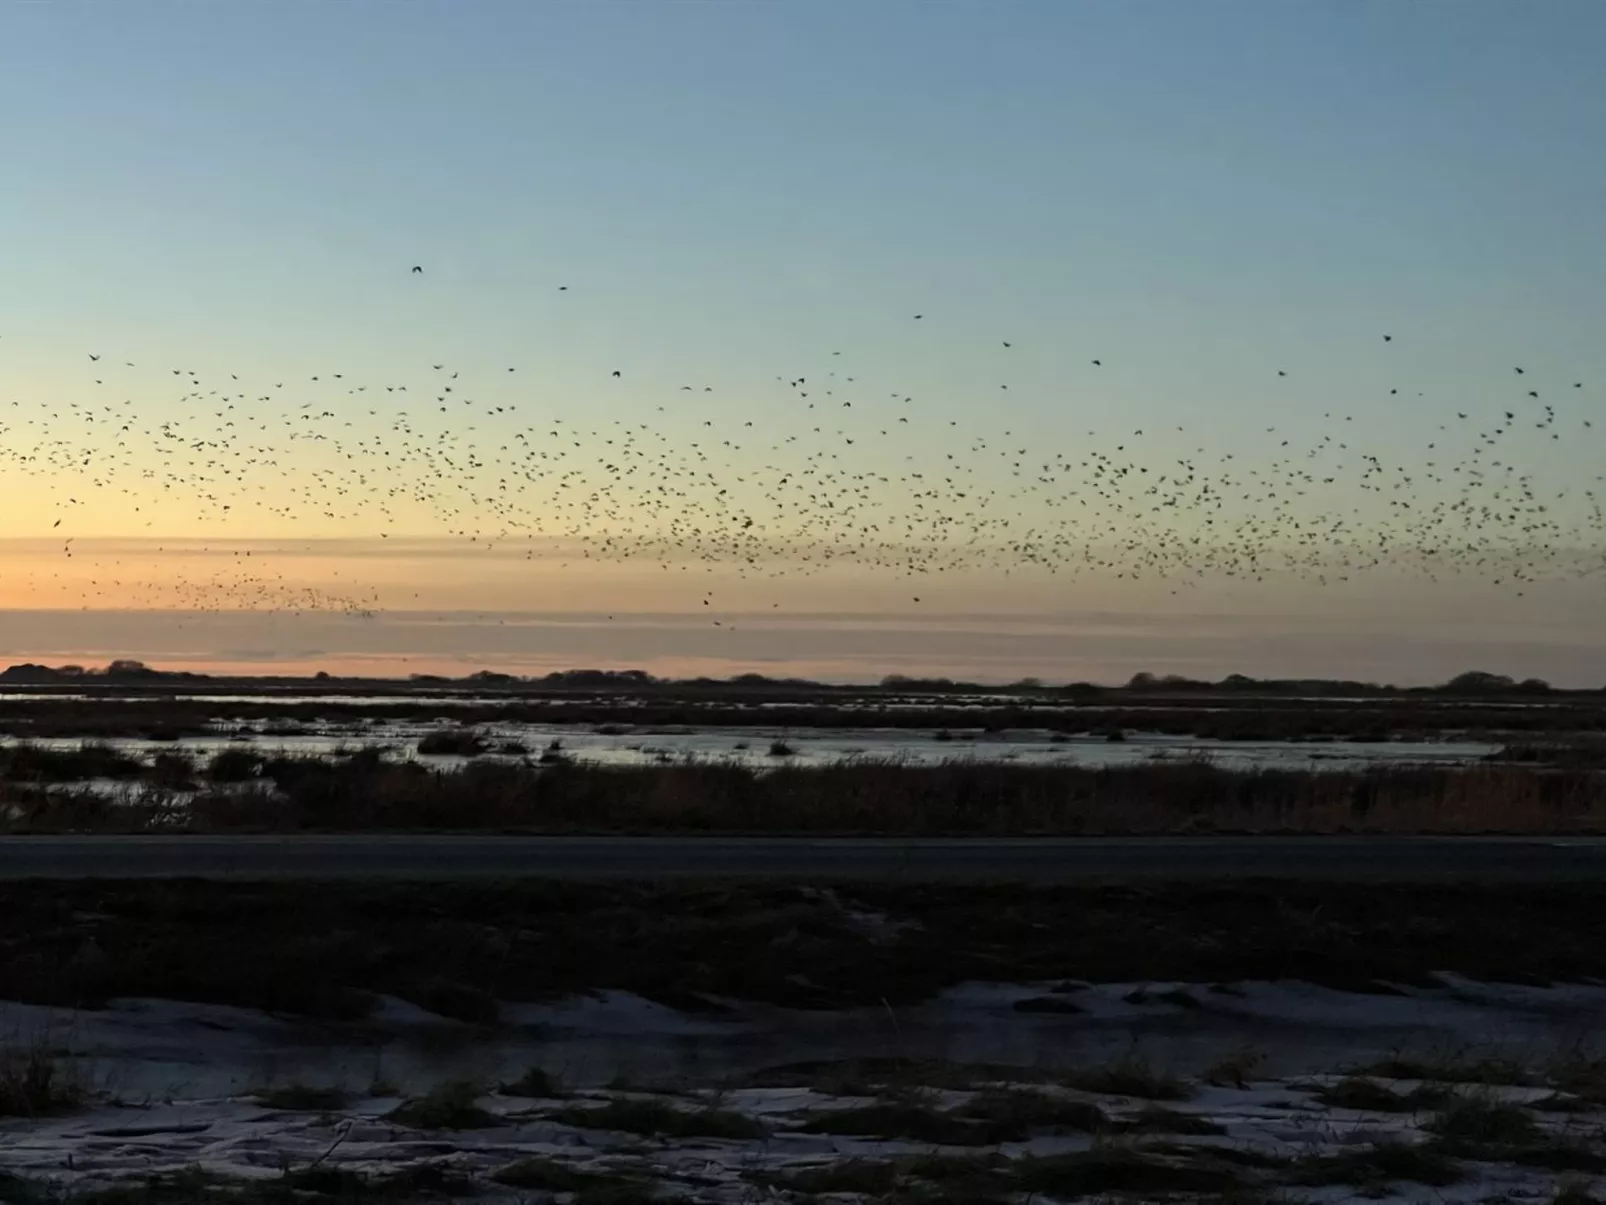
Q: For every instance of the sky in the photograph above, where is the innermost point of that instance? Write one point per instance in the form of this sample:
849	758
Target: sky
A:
733	196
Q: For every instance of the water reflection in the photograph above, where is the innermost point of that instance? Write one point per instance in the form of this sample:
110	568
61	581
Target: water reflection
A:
752	746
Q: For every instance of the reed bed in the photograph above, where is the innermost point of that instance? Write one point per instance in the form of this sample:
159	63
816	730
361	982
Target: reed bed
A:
363	791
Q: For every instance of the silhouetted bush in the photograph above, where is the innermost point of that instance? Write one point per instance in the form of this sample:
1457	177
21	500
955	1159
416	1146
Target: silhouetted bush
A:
456	742
234	765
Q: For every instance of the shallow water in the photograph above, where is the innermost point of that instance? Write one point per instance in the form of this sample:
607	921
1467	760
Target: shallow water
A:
811	746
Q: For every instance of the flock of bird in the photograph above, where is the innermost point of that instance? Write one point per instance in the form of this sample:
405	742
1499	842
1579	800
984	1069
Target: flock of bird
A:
820	467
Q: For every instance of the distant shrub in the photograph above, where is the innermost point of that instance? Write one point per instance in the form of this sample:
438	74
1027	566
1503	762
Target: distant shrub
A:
27	762
452	742
173	770
234	765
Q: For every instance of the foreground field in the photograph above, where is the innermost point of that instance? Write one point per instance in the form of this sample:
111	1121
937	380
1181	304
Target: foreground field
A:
427	1042
890	1130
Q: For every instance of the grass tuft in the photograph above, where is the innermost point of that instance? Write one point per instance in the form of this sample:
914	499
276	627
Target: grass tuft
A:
1155	1119
1453	1070
1121	1170
988	1118
36	1083
451	1106
888	1075
1130	1076
1013	1113
866	1177
436	1178
1383	1163
913	1120
539	1174
658	1118
323	1181
1369	1096
301	1098
1475	1121
1237	1069
928	1179
1581	1076
1574	1194
535	1082
1556	1155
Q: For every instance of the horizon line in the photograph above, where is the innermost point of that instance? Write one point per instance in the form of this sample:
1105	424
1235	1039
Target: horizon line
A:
140	671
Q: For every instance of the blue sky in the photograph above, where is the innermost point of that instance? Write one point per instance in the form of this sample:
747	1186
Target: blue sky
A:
1142	178
1199	194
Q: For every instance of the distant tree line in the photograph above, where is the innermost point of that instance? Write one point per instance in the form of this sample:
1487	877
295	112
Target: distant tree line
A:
123	669
1473	682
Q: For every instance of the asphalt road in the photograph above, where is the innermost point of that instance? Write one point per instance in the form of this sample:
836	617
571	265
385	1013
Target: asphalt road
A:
1037	860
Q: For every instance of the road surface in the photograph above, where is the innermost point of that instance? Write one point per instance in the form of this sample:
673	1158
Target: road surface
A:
1036	860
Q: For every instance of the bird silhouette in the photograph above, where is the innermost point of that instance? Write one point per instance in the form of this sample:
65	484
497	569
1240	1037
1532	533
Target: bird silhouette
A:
804	471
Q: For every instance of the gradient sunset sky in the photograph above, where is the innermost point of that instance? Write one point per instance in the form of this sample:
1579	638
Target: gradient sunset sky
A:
1199	195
